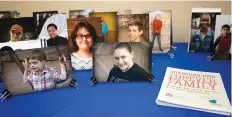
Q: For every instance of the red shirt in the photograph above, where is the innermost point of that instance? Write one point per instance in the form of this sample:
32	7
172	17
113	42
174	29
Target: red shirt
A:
224	44
156	26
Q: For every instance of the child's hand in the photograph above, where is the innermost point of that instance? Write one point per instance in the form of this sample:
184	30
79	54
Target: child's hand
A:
25	64
62	59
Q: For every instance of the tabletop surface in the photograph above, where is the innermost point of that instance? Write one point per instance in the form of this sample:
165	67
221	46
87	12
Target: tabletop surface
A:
116	99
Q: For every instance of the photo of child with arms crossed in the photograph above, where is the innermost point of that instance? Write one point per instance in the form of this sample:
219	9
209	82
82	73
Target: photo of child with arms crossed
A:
42	77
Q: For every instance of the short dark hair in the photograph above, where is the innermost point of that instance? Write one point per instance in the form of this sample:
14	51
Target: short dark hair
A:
80	16
136	23
38	54
226	26
90	29
124	45
206	14
50	25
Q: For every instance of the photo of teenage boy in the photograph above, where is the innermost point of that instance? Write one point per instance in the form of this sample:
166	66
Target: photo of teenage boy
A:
83	37
135	32
222	44
41	76
16	33
133	27
55	39
203	38
156	30
40	18
125	68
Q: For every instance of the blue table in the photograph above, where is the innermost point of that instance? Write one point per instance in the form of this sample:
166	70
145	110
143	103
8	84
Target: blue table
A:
116	100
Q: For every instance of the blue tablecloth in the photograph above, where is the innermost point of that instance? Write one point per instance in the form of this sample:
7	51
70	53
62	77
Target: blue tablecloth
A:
116	100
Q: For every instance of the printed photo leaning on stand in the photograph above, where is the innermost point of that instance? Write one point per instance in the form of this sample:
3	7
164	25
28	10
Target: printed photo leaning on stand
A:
222	44
156	31
83	37
41	76
202	40
135	32
125	69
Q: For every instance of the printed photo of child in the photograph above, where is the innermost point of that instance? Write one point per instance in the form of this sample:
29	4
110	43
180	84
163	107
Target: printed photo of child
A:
160	30
40	18
41	76
222	39
202	29
125	69
133	28
33	70
16	29
18	33
222	45
122	62
54	30
109	25
83	33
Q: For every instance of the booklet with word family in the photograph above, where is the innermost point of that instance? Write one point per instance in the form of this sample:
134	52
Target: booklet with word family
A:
202	91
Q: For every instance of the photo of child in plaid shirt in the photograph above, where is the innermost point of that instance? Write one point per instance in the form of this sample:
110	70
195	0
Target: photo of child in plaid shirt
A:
41	76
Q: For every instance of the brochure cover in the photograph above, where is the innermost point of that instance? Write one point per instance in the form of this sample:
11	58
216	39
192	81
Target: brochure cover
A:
202	91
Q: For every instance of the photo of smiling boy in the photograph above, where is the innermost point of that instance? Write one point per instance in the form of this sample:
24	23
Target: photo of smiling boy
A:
202	32
55	39
41	76
125	69
133	28
135	32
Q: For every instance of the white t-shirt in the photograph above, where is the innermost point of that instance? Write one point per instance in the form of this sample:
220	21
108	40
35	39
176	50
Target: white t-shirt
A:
81	63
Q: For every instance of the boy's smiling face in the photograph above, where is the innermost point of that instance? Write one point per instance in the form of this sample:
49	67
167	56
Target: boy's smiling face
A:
134	33
52	31
36	65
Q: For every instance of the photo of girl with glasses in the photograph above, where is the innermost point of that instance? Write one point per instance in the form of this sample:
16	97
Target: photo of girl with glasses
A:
83	37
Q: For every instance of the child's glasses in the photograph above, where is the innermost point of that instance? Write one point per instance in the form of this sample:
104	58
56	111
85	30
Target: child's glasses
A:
88	36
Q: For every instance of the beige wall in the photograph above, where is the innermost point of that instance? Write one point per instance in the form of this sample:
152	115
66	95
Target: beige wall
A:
181	11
